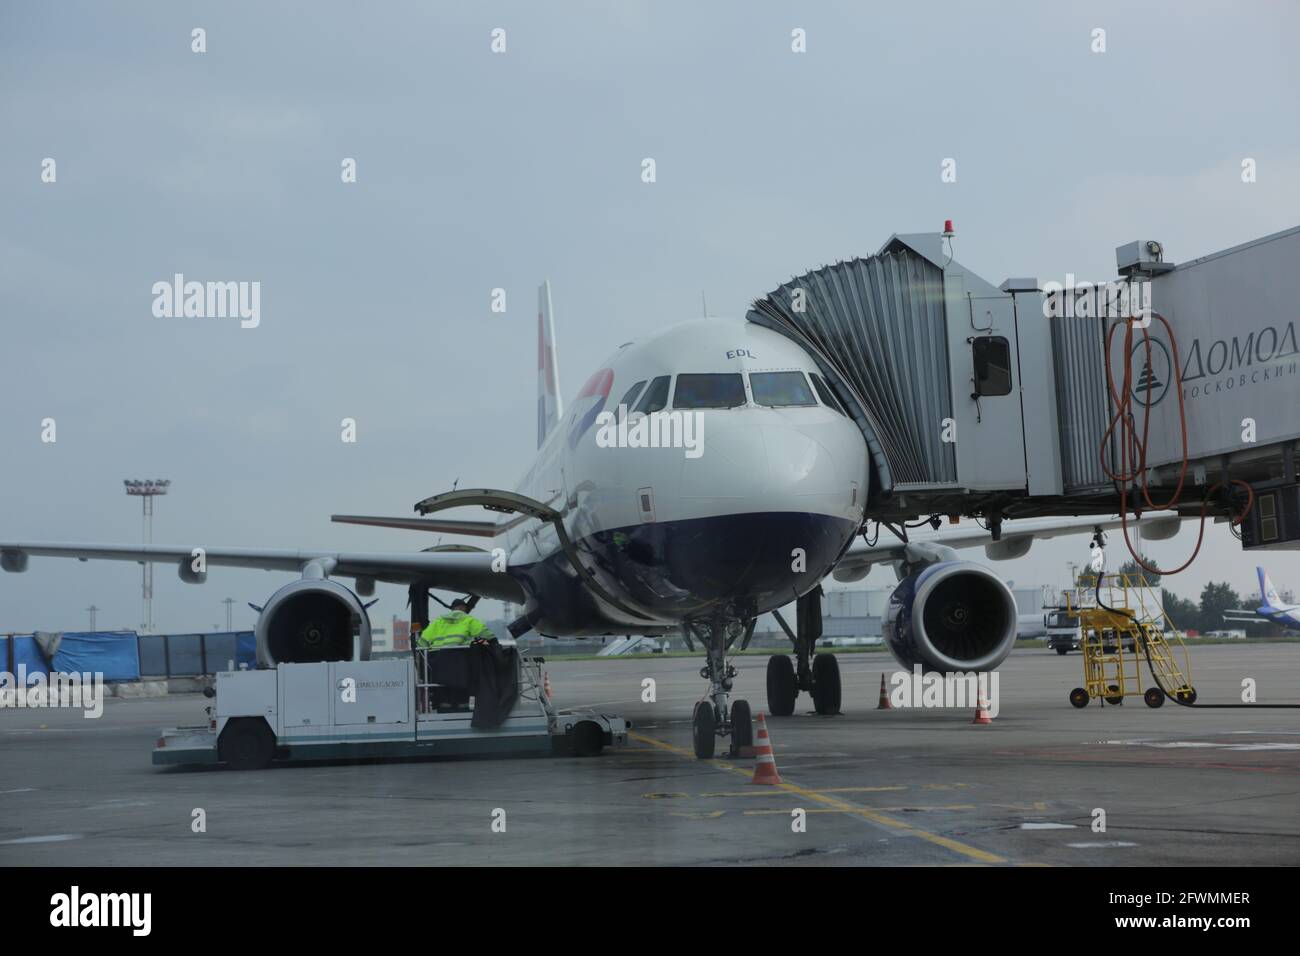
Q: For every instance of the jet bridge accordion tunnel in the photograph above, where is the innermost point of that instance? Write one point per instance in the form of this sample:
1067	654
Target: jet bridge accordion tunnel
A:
995	400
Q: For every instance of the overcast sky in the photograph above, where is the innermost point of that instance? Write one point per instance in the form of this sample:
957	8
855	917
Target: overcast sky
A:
478	170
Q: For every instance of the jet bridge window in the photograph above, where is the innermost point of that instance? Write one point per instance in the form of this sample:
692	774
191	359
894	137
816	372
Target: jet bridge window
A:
720	390
656	396
992	355
780	389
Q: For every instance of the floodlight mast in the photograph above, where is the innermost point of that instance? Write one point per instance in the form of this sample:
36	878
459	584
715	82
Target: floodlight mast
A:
146	491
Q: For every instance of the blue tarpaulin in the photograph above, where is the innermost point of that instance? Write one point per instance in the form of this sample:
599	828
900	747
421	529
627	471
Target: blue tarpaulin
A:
26	653
112	653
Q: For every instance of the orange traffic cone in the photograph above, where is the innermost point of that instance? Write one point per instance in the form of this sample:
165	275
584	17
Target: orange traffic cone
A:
982	711
765	762
884	696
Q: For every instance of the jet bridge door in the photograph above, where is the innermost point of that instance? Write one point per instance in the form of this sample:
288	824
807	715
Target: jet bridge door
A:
986	388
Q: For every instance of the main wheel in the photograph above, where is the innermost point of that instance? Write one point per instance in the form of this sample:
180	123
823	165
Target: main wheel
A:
1115	697
1154	697
246	743
826	684
742	726
704	729
588	739
781	687
1079	697
1062	651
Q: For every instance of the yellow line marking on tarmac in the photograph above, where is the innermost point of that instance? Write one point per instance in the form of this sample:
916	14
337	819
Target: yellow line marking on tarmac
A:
865	813
759	793
951	806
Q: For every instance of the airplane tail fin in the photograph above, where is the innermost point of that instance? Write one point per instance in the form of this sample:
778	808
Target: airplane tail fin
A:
548	373
1267	591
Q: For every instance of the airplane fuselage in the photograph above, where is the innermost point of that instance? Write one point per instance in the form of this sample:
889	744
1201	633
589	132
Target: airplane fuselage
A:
760	489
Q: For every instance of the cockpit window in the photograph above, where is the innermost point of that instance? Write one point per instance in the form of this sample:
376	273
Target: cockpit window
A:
631	395
780	389
826	395
655	397
720	390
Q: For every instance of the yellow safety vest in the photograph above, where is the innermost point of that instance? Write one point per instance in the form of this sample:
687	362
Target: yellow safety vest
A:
452	629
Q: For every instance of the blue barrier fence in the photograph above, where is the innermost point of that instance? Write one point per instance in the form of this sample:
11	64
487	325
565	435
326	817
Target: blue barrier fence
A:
127	656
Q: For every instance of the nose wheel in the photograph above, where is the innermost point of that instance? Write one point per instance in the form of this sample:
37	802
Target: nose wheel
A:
717	715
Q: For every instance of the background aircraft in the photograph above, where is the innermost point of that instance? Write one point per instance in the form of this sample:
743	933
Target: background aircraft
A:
1272	608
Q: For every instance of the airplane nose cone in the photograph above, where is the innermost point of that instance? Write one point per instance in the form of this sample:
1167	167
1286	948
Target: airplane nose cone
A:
800	468
767	508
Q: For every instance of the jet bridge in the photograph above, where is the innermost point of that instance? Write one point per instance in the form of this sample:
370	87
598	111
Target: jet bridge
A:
996	401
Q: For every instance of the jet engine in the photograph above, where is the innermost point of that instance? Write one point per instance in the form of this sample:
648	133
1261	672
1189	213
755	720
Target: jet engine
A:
951	616
312	620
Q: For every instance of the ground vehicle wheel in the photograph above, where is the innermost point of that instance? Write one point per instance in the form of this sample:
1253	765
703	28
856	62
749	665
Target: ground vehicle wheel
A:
1187	694
781	687
1079	697
826	684
246	744
1062	651
1154	697
588	739
1114	697
704	728
742	726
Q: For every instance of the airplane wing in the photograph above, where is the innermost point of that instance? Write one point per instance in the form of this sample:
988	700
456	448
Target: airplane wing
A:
470	571
1017	537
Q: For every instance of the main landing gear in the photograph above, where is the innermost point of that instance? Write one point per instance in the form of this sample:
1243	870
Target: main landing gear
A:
818	674
718	716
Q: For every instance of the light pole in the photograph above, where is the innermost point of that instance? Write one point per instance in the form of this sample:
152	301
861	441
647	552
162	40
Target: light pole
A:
92	609
229	603
146	491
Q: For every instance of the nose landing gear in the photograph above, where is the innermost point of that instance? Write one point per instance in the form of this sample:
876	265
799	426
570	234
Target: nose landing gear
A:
718	716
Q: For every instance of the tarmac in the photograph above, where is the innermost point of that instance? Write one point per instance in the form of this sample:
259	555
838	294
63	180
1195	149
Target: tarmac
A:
1177	786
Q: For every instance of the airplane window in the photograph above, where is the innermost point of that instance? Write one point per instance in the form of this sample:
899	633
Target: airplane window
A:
631	395
826	395
780	389
992	355
720	390
655	397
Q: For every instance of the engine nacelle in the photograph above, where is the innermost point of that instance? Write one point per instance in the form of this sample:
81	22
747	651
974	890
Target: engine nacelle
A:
951	616
312	620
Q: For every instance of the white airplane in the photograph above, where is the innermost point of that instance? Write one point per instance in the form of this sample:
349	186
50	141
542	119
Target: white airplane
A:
731	485
1272	609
